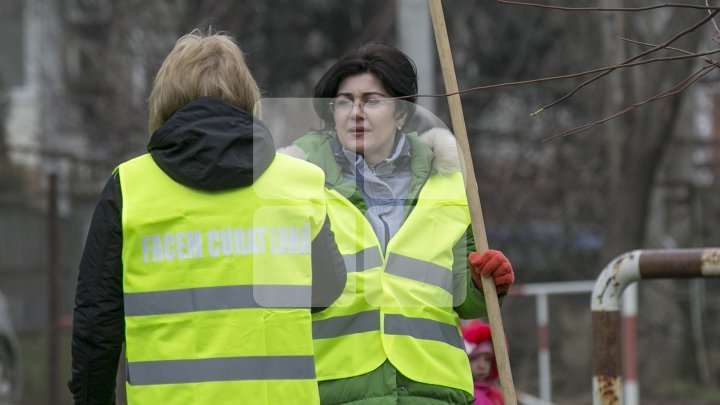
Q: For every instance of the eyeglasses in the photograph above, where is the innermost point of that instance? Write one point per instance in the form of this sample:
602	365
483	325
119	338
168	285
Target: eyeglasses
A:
342	105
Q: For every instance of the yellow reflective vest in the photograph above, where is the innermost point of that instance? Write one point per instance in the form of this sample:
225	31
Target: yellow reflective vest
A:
398	305
217	286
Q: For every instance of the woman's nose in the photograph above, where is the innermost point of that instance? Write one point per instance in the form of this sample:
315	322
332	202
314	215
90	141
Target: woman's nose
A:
358	109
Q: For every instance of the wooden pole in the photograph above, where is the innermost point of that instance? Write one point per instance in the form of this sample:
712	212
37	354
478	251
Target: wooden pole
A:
478	225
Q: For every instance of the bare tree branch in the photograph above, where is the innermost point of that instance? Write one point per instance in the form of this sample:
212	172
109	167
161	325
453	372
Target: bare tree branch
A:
717	30
649	51
678	88
688	55
655	6
710	61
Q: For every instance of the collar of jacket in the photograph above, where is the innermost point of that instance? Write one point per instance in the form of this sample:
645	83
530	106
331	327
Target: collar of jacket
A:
398	160
209	144
317	147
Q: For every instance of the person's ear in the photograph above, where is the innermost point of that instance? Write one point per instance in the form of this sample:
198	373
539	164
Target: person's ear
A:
400	119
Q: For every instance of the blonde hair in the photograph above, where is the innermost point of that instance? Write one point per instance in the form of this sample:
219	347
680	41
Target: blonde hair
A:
202	65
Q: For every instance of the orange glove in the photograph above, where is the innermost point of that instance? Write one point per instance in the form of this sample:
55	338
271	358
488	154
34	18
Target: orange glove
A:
492	263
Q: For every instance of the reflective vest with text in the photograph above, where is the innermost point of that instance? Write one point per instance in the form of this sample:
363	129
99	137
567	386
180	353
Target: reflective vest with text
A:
217	286
398	305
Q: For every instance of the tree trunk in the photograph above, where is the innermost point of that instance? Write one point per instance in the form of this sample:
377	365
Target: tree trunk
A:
638	139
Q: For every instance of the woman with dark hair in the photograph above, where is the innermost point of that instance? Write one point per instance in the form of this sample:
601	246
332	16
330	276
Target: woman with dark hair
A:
393	69
399	213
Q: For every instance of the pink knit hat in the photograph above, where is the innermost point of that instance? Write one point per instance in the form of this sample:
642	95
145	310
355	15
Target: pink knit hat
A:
482	347
477	339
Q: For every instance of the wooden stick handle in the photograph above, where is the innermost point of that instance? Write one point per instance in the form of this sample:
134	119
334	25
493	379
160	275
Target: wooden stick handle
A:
478	225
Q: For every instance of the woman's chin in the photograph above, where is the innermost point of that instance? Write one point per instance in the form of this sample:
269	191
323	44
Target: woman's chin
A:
356	146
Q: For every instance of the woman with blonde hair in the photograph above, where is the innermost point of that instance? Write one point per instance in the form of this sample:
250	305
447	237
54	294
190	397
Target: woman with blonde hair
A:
205	255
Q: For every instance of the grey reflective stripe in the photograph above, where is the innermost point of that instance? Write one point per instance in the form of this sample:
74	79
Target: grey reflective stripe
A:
420	328
420	270
217	298
221	369
363	260
346	325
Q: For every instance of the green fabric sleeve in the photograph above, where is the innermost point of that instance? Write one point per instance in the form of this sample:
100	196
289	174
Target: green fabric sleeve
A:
469	300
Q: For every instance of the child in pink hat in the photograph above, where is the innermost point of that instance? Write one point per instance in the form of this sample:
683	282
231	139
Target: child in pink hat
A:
478	344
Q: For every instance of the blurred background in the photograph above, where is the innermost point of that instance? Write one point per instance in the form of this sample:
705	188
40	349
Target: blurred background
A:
75	75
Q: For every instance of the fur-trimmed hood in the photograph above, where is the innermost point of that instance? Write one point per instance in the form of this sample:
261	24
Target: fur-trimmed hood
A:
441	142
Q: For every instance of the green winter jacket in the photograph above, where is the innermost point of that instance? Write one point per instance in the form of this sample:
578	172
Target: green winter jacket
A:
386	385
316	147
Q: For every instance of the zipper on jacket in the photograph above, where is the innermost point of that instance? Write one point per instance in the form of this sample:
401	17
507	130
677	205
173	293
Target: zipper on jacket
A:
381	217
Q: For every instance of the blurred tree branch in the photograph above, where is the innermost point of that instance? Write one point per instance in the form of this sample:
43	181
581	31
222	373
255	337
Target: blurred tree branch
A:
680	87
645	8
689	55
640	55
629	62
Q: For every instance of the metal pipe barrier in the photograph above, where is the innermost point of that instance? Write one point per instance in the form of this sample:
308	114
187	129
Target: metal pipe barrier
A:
605	305
541	291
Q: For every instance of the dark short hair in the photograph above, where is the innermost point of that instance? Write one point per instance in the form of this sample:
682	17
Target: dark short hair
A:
395	70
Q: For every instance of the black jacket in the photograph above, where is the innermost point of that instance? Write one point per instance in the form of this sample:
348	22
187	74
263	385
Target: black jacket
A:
208	145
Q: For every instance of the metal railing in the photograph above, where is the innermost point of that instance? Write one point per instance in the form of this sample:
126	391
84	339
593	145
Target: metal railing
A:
541	292
624	270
